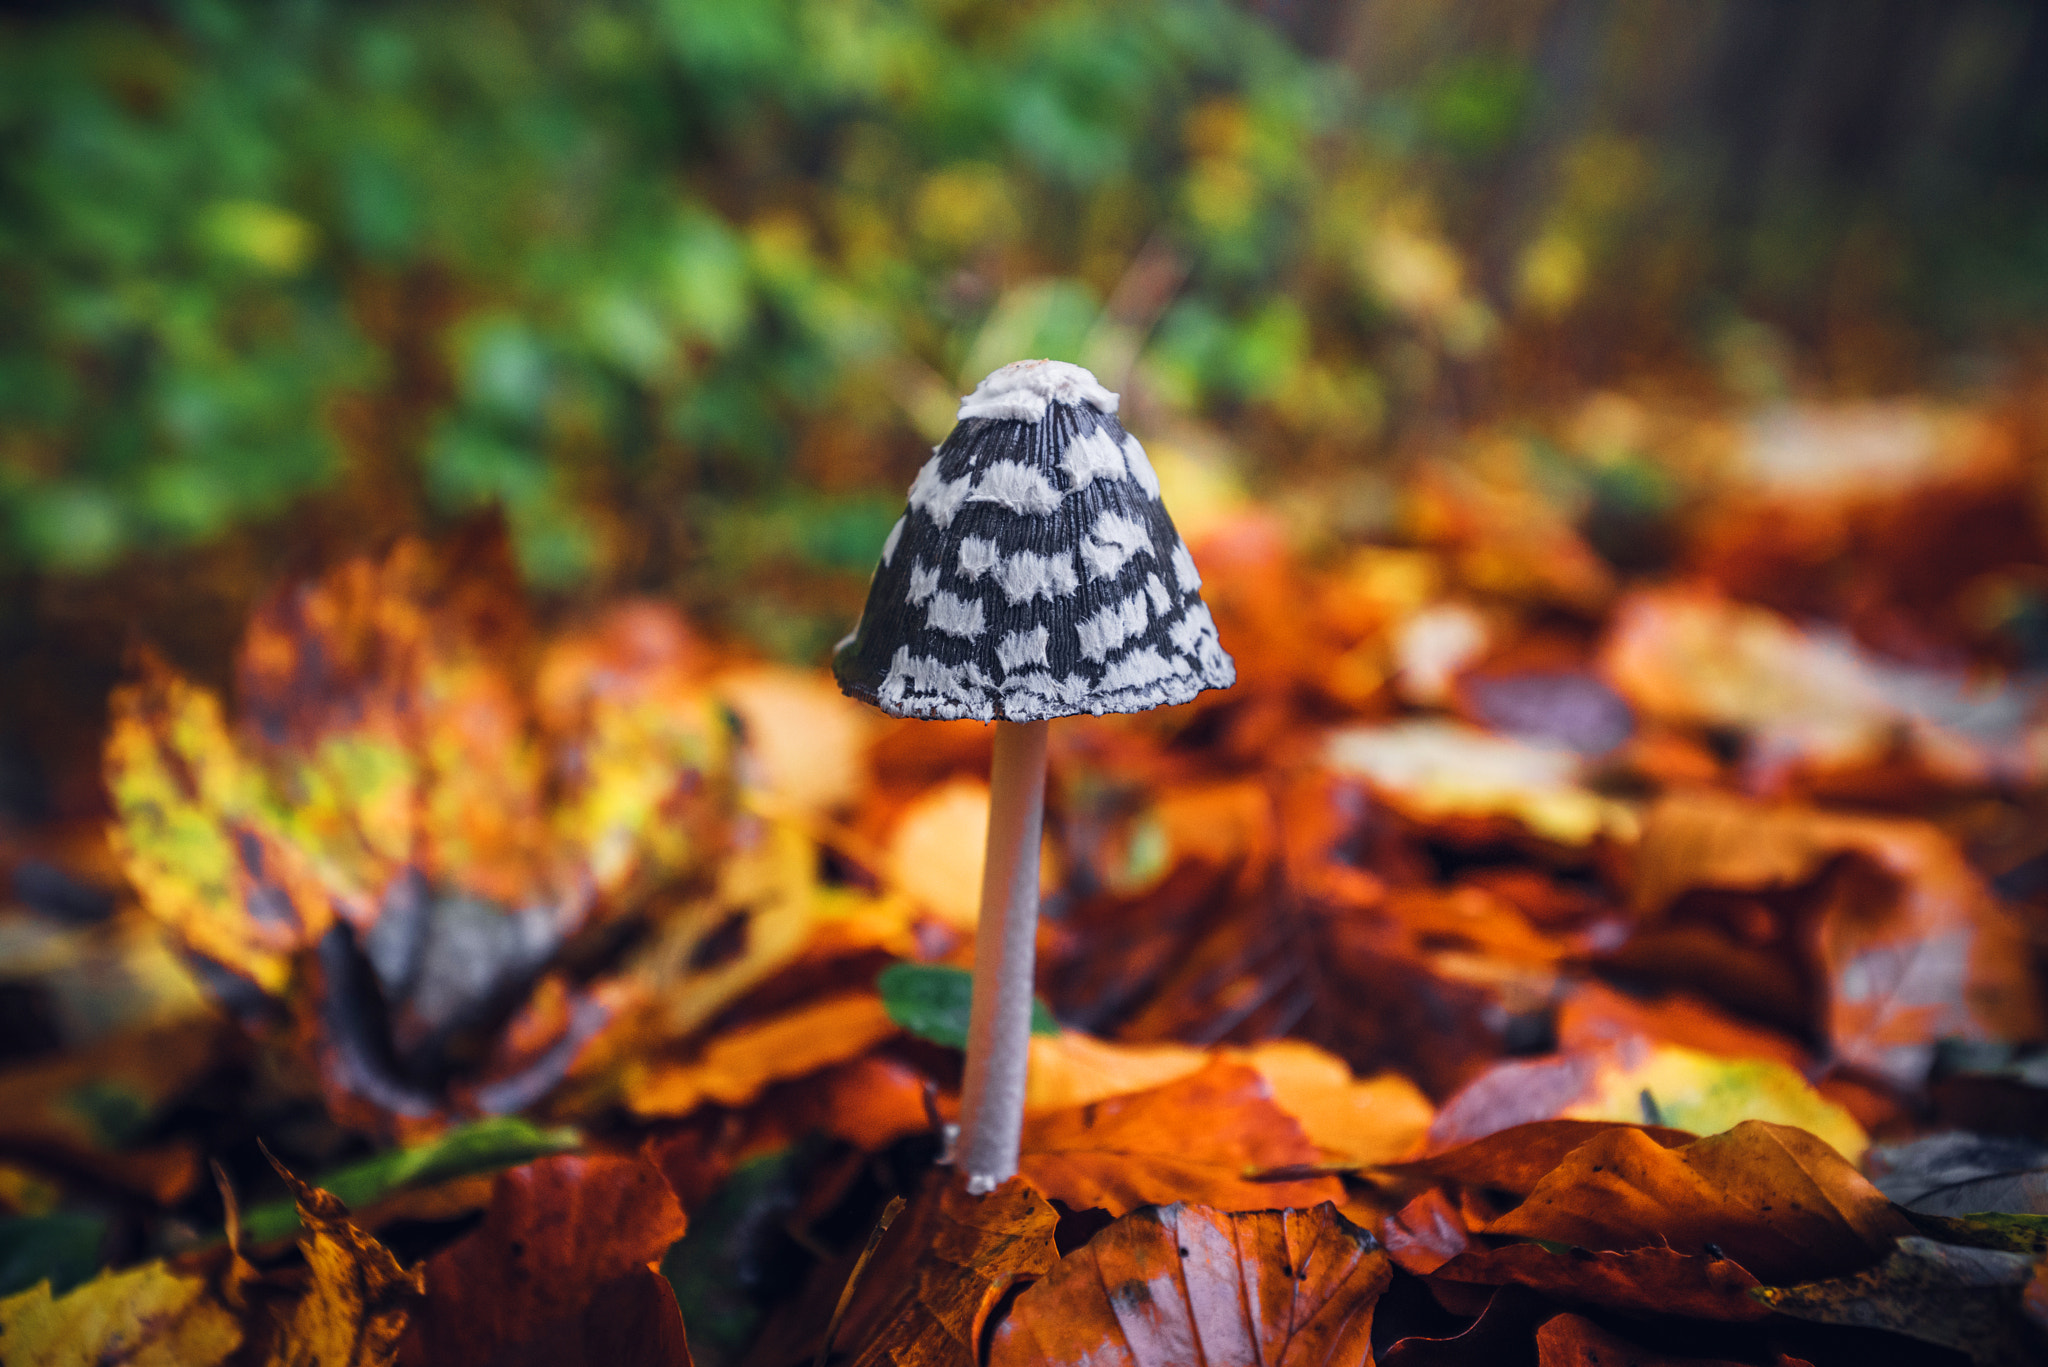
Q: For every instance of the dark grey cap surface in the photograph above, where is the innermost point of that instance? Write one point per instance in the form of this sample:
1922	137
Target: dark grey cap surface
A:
1035	573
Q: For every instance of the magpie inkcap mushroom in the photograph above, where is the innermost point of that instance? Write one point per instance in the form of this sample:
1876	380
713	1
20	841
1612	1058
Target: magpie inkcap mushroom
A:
1034	575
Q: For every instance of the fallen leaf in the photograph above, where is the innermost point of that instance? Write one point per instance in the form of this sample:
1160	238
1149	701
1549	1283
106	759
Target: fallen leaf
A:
1353	1121
1812	696
1575	1341
1918	951
638	745
1963	1174
940	1269
1521	1093
1643	1281
359	1299
935	1002
147	1316
935	851
90	1106
482	1146
1186	1283
1776	1200
1665	1084
1963	1298
738	1064
806	742
1515	1159
1073	1069
1594	1014
197	835
1434	770
1425	1234
558	1232
1142	1149
767	911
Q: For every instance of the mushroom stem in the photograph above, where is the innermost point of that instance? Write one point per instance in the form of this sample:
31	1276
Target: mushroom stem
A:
999	1028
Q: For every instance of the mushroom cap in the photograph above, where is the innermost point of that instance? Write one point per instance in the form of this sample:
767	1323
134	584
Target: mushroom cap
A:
1035	573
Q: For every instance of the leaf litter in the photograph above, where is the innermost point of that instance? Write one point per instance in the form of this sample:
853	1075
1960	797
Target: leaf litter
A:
1525	961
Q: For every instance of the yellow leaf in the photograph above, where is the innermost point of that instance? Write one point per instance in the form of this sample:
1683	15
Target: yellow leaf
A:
356	1308
195	835
740	1063
1708	1094
935	852
148	1316
767	911
1352	1120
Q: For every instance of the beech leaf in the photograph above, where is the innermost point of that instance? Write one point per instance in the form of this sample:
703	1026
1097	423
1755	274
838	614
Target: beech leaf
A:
1180	1284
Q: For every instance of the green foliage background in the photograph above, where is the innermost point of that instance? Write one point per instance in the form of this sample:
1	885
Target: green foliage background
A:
732	262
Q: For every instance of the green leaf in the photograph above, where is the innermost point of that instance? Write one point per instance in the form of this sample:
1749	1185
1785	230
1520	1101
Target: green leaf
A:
932	1001
61	1249
481	1146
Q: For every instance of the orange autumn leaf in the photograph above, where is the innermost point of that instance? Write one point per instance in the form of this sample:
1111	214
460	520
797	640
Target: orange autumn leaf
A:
1195	1137
1779	1202
562	1236
738	1064
1186	1283
938	1271
1352	1120
1425	1234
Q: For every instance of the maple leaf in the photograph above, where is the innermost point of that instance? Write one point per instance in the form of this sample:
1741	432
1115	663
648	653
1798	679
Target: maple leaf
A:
1187	1283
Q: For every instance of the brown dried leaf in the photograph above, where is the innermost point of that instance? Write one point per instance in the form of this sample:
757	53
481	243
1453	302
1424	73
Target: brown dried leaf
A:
1916	950
1776	1200
1186	1283
1514	1160
559	1232
942	1265
356	1308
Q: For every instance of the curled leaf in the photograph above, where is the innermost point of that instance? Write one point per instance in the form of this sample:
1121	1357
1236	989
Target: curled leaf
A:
1776	1200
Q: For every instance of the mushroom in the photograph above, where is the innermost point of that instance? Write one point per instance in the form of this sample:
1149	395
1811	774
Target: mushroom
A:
1034	575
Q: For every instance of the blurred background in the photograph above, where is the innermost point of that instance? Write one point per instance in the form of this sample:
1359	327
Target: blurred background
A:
686	289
